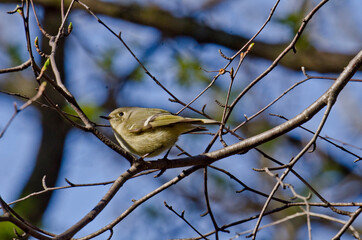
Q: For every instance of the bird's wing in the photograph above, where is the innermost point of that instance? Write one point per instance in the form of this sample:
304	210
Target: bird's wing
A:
164	118
156	120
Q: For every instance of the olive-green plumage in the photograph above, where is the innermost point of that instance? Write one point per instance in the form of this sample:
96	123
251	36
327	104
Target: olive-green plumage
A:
148	132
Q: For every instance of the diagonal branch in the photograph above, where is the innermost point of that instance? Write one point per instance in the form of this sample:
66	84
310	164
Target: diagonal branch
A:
348	224
100	206
328	98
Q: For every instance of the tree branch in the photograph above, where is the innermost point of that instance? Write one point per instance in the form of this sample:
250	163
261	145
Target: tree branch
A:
172	26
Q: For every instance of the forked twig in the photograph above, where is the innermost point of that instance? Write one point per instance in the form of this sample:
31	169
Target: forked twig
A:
25	105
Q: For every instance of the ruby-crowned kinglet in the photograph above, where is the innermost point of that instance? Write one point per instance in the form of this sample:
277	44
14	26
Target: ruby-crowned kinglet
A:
147	132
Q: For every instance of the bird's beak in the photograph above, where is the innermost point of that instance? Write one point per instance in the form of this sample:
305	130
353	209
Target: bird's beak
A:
105	117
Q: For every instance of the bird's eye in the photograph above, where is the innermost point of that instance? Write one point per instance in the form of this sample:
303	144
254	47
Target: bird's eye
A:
120	114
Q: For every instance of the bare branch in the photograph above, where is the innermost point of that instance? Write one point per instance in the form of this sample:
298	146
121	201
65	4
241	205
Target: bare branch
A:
182	216
328	98
25	105
21	67
348	225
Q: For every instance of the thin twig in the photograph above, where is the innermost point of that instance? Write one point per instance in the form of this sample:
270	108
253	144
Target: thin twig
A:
11	216
25	105
280	56
207	200
100	206
182	216
329	99
246	188
138	202
48	189
326	138
20	67
348	224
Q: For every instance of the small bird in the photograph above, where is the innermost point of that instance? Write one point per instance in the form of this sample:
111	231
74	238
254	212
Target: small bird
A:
147	132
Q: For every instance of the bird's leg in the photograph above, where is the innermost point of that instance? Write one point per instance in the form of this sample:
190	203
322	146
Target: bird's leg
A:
166	155
140	159
165	159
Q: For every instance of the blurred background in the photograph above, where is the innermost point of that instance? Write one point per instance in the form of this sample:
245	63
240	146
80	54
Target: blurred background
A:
178	42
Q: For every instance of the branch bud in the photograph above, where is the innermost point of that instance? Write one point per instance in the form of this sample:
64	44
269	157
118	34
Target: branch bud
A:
36	42
70	27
